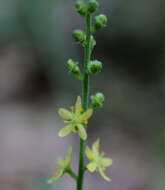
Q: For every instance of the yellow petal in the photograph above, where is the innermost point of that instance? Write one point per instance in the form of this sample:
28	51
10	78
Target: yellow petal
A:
82	132
78	105
89	153
103	175
96	145
65	131
85	122
92	166
86	115
106	162
55	176
60	162
68	157
64	113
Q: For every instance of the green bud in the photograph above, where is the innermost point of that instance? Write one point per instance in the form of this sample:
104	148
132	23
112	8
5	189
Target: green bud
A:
94	67
92	6
97	100
73	67
101	21
79	36
81	7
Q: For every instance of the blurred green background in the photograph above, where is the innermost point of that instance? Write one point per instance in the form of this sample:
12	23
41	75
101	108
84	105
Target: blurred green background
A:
35	42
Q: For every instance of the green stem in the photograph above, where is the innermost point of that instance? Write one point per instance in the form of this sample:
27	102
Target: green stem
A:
85	99
71	173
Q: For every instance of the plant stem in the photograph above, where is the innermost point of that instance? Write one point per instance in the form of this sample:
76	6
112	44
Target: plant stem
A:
85	99
71	173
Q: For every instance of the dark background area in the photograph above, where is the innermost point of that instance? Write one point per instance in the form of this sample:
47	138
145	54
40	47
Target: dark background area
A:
35	43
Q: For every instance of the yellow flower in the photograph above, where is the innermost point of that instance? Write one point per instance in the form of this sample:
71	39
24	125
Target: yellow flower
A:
62	166
96	160
75	119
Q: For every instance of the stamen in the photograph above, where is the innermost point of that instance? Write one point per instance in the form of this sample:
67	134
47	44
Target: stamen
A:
85	121
72	108
103	154
81	109
55	175
98	147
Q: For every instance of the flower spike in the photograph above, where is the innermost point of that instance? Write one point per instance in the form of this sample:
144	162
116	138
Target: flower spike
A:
76	117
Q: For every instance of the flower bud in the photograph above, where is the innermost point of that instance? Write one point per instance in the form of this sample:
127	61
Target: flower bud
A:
101	21
94	67
79	36
73	67
81	7
97	100
92	6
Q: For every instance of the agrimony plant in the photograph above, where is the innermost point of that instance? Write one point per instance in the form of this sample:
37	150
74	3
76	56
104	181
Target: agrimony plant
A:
76	117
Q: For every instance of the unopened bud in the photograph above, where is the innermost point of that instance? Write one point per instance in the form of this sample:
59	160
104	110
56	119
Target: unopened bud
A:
97	100
73	67
92	6
94	67
101	21
79	36
81	7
